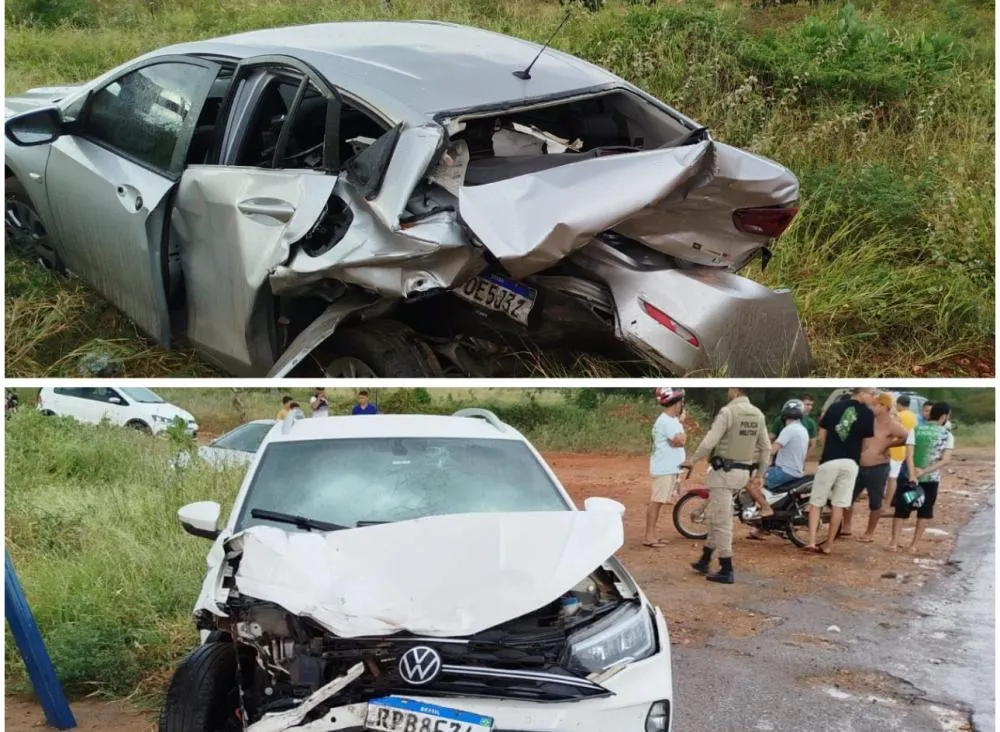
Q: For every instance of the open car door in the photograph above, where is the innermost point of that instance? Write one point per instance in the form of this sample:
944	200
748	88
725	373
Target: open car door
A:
233	225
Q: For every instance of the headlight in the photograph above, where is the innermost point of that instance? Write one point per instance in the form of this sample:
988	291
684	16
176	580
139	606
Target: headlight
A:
624	635
160	419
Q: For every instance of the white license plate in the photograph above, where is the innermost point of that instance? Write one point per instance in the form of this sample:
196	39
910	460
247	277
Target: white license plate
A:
500	294
398	714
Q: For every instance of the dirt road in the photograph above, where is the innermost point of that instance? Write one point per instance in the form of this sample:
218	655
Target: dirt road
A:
858	580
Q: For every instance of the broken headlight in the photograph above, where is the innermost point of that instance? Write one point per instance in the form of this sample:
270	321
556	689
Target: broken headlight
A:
624	635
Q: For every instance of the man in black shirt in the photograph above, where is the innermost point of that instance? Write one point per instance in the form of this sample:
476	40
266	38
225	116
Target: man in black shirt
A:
842	429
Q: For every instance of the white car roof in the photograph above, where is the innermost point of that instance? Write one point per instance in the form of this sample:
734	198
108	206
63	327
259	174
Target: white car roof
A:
385	425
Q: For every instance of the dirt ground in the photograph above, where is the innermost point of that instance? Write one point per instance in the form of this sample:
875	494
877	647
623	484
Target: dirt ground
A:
858	577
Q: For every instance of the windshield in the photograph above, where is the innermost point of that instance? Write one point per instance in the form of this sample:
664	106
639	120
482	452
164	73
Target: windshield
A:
347	481
245	439
143	395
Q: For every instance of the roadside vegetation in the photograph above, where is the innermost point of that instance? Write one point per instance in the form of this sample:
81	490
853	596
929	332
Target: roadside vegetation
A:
884	109
91	524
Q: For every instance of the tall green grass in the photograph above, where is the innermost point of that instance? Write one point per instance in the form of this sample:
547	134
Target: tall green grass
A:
884	109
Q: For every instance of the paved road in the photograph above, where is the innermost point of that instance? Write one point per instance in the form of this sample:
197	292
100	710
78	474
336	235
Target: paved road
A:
925	666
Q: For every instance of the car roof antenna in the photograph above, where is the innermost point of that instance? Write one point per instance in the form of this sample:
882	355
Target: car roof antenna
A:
526	73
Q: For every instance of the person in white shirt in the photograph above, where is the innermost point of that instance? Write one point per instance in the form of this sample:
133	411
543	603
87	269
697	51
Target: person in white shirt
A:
790	448
665	461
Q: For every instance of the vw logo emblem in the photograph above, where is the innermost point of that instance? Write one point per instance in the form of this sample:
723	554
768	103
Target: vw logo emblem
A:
420	665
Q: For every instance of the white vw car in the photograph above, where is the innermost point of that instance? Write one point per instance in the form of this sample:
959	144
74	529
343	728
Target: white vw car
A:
133	406
416	573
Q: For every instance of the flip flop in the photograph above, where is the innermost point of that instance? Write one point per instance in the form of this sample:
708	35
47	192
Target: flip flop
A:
866	539
753	537
812	550
655	544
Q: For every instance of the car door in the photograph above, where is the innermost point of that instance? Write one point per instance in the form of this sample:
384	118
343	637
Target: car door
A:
234	222
80	403
109	183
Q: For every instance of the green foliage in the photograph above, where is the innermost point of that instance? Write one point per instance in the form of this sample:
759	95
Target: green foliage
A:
587	399
421	395
50	13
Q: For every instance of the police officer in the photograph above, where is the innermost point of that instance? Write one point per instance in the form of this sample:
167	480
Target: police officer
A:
736	443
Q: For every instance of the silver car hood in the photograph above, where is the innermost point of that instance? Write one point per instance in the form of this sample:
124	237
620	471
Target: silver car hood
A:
450	575
36	98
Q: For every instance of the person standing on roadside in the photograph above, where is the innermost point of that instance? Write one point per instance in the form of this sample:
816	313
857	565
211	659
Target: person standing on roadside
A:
925	413
807	421
897	455
874	466
735	445
285	409
932	446
842	430
665	460
319	404
364	406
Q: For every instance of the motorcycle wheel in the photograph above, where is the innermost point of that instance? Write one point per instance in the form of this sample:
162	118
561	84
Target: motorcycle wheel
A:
798	527
689	517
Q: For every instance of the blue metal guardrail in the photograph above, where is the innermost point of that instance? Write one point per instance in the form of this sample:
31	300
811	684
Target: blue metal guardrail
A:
36	659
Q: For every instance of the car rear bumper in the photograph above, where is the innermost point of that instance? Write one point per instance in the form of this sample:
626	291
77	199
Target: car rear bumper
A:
726	325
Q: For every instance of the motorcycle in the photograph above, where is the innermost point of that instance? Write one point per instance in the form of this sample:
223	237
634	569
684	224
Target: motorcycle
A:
789	501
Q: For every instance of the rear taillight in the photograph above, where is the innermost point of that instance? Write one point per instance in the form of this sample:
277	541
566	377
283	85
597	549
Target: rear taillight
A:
770	221
670	324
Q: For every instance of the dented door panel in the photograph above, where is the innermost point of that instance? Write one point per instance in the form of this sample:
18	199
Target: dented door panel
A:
233	226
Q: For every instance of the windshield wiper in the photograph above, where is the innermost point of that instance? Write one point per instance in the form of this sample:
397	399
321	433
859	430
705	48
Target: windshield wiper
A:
301	522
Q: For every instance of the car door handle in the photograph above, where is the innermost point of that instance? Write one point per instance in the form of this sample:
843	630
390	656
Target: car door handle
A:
272	208
130	197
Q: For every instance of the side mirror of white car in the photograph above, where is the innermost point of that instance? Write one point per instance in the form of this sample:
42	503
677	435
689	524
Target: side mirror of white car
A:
114	400
596	503
201	519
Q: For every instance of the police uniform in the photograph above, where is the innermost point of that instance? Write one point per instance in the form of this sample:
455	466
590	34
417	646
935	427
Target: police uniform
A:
736	443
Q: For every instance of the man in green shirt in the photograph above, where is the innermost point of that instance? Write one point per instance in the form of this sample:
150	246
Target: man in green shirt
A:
807	421
930	444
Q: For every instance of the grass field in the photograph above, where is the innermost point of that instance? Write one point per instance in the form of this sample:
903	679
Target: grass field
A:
90	514
884	109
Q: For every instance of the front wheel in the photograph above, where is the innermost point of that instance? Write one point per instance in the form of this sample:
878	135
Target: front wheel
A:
798	526
139	426
203	695
690	518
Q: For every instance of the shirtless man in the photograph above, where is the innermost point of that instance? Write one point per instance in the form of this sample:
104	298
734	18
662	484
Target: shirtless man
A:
874	471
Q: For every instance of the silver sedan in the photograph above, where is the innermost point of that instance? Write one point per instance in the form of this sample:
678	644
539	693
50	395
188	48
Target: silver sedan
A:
402	199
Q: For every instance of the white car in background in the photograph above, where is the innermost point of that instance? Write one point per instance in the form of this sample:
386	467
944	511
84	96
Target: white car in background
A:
234	449
133	406
416	572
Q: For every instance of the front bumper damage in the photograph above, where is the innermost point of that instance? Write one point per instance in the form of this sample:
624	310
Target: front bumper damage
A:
482	608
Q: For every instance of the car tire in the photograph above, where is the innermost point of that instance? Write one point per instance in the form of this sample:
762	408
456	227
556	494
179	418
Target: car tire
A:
139	426
48	413
376	349
203	695
25	234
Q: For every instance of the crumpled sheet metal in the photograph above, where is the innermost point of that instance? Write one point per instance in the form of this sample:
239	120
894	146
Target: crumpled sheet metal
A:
450	575
395	263
532	221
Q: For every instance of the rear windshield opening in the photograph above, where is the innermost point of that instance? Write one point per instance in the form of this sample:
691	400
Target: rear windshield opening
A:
505	145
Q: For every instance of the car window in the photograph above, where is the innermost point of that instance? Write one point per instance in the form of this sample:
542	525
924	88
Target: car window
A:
143	395
396	479
244	439
95	394
143	113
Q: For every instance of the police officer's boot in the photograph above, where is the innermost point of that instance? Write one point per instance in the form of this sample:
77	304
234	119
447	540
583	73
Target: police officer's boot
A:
703	564
725	574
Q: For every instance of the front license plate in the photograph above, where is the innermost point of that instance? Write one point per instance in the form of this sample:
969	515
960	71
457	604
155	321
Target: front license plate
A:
398	714
500	294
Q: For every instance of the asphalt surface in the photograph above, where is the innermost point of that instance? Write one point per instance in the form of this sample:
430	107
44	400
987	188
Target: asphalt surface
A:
924	664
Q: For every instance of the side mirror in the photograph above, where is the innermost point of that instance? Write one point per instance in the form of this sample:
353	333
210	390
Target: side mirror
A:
201	519
114	400
37	127
596	503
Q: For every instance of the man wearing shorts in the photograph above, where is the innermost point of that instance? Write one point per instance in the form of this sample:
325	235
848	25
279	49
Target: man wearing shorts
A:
932	446
665	461
843	428
897	455
874	471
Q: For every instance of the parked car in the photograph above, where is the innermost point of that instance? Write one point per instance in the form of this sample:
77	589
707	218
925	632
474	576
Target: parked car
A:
402	199
416	572
235	448
133	406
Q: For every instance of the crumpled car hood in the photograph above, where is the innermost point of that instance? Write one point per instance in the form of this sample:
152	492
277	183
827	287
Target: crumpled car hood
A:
451	575
36	98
